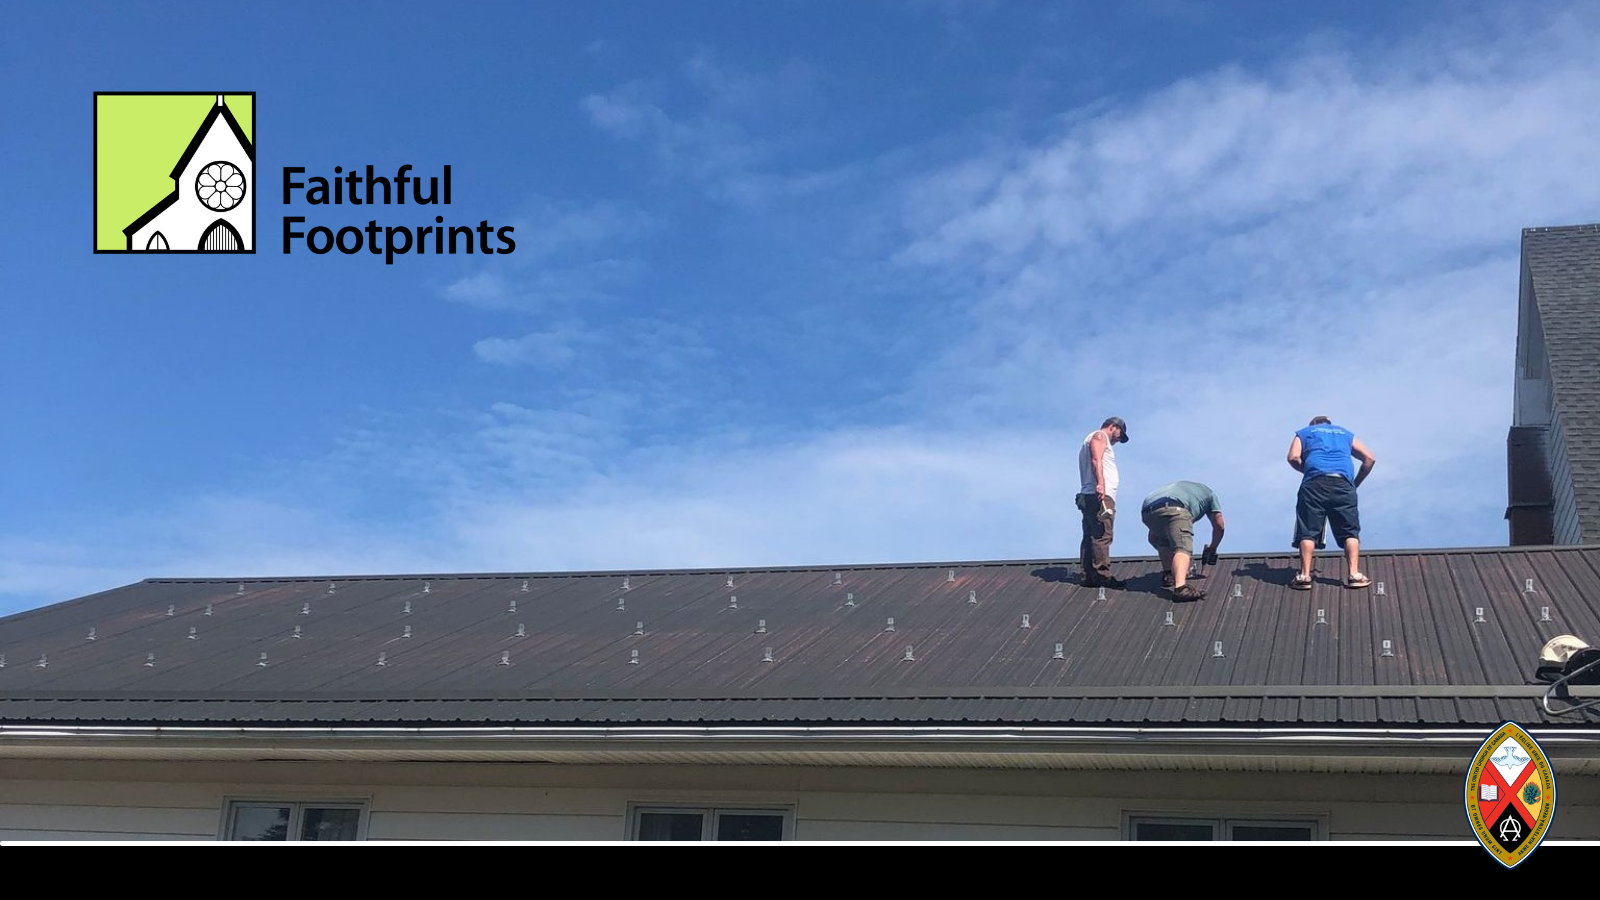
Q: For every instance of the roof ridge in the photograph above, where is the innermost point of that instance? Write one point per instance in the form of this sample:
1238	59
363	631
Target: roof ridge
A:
1551	229
646	571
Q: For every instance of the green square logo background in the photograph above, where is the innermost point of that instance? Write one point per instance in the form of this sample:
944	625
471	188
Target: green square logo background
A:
138	139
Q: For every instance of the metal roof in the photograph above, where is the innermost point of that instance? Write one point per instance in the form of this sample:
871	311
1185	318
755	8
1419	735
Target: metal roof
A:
1564	265
691	646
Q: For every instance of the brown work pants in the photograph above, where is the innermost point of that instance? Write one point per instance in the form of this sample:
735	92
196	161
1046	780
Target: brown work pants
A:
1097	533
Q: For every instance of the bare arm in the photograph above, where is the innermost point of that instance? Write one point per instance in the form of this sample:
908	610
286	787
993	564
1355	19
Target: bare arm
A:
1097	455
1217	528
1360	451
1295	451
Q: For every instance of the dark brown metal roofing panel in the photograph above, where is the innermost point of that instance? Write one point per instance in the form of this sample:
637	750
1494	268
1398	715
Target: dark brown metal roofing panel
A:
1507	628
1360	710
829	641
1280	709
1095	710
1563	586
954	639
1203	710
1388	625
592	639
1351	609
1192	660
459	629
1134	711
1441	645
1241	710
1438	627
1083	629
935	626
710	641
1526	712
1229	711
1127	625
1323	634
1295	618
577	642
1571	588
1167	712
128	622
1263	640
1397	711
1319	709
1437	712
1164	644
1478	711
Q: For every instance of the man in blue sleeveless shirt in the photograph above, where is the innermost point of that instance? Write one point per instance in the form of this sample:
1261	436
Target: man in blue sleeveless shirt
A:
1322	451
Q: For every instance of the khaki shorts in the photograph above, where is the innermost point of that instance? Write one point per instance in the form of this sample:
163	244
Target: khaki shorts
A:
1171	528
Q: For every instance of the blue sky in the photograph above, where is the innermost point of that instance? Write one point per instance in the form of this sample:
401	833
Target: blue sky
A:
794	282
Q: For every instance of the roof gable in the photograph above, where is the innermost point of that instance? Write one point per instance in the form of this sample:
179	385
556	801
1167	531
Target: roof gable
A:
1564	267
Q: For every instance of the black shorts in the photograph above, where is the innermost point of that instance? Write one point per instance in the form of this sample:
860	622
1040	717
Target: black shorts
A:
1329	499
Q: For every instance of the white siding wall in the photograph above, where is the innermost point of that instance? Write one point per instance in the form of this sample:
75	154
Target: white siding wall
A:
156	801
1532	386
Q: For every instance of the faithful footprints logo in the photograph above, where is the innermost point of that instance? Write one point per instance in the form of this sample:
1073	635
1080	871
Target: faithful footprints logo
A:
174	173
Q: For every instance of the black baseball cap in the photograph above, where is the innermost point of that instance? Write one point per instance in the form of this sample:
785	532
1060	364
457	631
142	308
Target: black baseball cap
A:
1117	421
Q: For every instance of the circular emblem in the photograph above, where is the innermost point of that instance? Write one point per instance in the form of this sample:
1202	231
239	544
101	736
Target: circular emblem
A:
220	186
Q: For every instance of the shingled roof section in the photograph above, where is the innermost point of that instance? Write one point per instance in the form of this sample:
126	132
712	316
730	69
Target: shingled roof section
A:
1564	264
1446	639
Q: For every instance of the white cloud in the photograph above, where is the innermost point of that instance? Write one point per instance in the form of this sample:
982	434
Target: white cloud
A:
736	135
547	349
481	289
546	228
545	287
567	253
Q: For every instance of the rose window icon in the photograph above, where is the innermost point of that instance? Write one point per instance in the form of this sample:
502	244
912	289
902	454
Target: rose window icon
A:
220	186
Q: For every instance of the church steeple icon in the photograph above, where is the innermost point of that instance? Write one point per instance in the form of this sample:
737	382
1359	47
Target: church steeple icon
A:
212	204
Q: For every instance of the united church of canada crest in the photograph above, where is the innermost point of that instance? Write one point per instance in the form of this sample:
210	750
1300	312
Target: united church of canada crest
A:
1510	794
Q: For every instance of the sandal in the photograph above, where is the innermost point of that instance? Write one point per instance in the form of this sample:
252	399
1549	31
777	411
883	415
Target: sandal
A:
1357	581
1188	592
1301	582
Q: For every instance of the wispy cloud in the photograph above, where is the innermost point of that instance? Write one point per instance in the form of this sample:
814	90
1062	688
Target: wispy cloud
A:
567	253
642	344
551	349
735	133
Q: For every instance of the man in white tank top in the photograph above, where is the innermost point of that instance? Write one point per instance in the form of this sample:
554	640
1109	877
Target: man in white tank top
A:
1097	498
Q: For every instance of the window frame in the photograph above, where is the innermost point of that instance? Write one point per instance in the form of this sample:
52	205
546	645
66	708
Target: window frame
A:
1222	825
711	813
297	810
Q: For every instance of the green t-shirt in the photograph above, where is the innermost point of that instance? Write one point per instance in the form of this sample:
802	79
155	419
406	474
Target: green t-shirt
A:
1198	499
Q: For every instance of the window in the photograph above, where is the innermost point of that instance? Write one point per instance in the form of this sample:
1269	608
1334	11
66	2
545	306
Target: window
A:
252	820
220	185
692	823
1173	828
